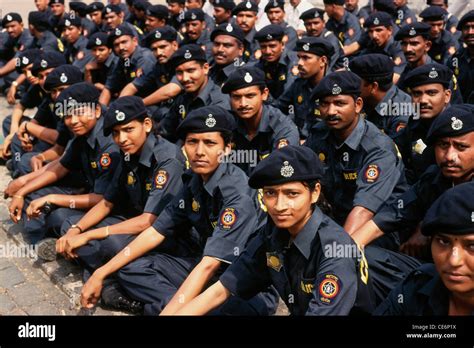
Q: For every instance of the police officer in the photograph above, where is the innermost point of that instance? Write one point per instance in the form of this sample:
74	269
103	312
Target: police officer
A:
451	20
462	62
429	88
361	13
275	11
114	17
196	32
90	152
341	22
445	287
176	10
223	11
199	4
452	135
139	8
191	67
156	17
246	17
100	68
443	43
315	27
227	50
42	36
223	211
58	10
363	169
134	62
290	251
384	102
94	10
313	64
278	62
75	50
404	14
81	9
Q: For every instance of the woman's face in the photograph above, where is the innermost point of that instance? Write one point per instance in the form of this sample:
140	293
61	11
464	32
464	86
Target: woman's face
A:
289	204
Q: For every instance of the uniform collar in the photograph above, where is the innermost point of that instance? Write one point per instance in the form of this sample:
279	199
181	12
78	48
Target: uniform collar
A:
205	93
249	37
80	43
388	96
305	237
95	134
110	60
263	126
147	150
213	182
354	139
438	295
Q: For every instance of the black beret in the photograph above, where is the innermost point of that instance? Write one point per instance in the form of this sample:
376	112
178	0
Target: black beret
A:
434	13
182	2
427	74
337	83
230	29
243	77
63	75
26	58
11	17
245	6
123	110
120	31
56	2
386	6
372	66
195	14
315	45
334	2
269	33
414	29
130	2
48	59
225	4
79	7
39	20
111	8
468	17
98	39
75	96
67	21
207	119
452	212
379	18
453	121
163	33
312	13
275	4
95	6
158	11
141	5
288	164
187	53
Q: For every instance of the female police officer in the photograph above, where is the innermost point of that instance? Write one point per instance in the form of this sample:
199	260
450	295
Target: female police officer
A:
294	251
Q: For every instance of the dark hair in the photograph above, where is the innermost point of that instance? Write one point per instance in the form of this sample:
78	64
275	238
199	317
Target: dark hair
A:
227	136
322	203
385	83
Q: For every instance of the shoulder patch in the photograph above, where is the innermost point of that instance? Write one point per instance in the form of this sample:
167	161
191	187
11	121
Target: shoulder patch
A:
282	143
372	173
105	160
273	261
329	286
228	218
161	179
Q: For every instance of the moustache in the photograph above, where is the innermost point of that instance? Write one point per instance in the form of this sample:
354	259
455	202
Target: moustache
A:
333	118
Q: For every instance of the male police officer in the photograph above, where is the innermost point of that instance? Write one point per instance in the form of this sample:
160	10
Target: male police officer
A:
261	128
75	49
246	17
341	22
223	11
275	11
42	36
156	17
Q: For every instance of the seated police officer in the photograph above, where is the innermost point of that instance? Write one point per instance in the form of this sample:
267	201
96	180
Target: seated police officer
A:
261	128
222	211
275	11
445	287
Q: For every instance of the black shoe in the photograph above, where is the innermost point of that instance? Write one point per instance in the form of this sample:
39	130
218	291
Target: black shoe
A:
9	165
46	249
114	298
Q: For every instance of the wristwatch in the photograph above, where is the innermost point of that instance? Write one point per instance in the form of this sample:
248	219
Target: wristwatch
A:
14	83
78	227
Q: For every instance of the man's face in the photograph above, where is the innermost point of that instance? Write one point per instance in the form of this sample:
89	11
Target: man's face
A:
329	8
415	48
57	9
453	257
351	5
272	50
226	50
42	75
203	151
437	28
115	2
190	4
438	3
399	3
140	14
153	23
72	33
314	27
56	91
131	137
468	33
309	64
276	15
192	75
96	17
246	20
113	19
340	111
14	29
248	102
82	121
380	35
175	8
432	99
101	53
221	15
124	46
163	50
455	156
194	29
41	5
289	204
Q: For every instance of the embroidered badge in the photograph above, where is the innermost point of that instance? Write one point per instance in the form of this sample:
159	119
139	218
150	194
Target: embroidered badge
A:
306	47
118	32
98	41
25	60
456	124
372	173
412	32
210	121
187	55
299	99
322	157
282	143
433	74
63	78
229	28
248	4
130	179
105	160
228	218
376	21
273	261
248	78
119	115
329	286
157	35
195	206
287	170
160	179
336	89
44	64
